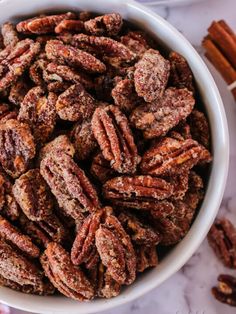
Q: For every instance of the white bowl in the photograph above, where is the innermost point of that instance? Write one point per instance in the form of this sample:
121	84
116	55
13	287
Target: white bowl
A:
165	33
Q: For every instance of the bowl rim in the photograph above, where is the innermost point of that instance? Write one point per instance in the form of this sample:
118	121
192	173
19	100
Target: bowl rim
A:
207	212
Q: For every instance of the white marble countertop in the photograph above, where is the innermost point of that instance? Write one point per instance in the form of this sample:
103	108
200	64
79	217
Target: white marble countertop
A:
188	291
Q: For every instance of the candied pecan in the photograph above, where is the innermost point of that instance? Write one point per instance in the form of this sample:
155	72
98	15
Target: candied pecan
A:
18	91
69	74
226	290
170	157
180	73
116	250
66	277
199	127
32	194
181	131
104	47
180	183
74	193
125	96
84	242
139	232
8	205
100	168
151	75
111	129
108	24
69	26
19	240
17	147
6	113
75	104
57	51
18	269
222	239
10	36
83	139
58	87
43	24
136	41
146	257
157	118
39	112
37	72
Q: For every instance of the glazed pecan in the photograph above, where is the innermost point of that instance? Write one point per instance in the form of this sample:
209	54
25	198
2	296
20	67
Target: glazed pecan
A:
199	127
19	240
10	36
151	75
74	193
100	168
146	257
222	239
180	183
66	277
57	51
17	147
125	96
75	104
180	73
33	195
139	232
111	129
69	26
108	24
8	205
15	60
84	243
157	118
181	131
18	91
39	112
83	139
37	72
58	87
6	113
116	250
43	24
170	157
226	290
136	41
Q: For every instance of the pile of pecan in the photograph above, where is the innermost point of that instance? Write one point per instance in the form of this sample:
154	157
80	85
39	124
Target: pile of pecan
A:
103	147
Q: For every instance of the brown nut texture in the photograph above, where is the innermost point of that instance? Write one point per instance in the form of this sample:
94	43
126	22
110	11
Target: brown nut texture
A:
69	26
108	24
199	128
100	168
136	41
146	257
226	290
10	36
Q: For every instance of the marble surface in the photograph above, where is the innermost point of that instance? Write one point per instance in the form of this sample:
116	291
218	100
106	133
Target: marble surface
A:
188	291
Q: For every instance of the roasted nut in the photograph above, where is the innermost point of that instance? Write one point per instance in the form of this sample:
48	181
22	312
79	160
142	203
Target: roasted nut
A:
222	239
33	195
57	51
146	257
37	72
18	91
6	113
151	75
66	277
199	128
16	154
157	118
226	290
44	24
39	112
136	41
111	129
100	168
74	193
108	24
10	36
180	183
170	157
69	26
116	251
75	104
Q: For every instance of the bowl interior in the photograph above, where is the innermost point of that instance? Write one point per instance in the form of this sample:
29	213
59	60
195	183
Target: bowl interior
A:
170	38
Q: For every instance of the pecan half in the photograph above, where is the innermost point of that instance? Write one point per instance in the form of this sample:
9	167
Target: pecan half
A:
136	41
38	111
151	75
116	251
10	36
100	168
146	257
108	24
74	193
17	147
75	104
222	239
33	195
226	290
66	277
69	26
37	72
199	127
18	91
157	118
170	157
61	53
43	24
6	113
111	129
